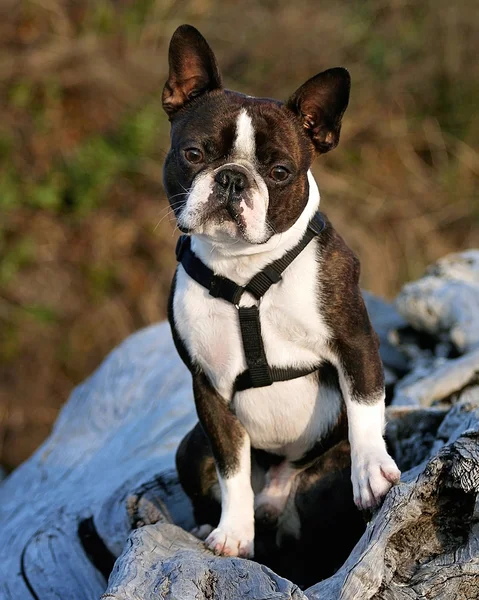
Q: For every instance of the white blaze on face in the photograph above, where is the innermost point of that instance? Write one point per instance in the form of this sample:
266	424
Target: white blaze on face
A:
253	208
244	153
244	145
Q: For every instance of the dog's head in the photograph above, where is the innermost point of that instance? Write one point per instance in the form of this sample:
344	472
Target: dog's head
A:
238	165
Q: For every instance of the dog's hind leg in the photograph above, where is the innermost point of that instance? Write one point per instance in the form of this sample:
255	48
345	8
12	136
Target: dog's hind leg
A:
270	502
197	473
320	524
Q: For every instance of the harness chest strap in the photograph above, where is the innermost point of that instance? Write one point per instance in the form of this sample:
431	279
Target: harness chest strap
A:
259	373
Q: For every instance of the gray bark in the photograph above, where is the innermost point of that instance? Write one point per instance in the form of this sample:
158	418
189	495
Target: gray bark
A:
423	542
438	381
104	486
110	457
163	561
445	302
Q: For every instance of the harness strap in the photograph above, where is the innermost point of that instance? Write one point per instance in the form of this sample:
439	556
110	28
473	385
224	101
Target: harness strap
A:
250	325
271	274
258	373
245	382
218	286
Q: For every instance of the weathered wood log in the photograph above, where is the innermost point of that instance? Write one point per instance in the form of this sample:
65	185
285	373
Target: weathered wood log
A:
108	468
412	433
437	381
445	302
108	465
163	561
421	544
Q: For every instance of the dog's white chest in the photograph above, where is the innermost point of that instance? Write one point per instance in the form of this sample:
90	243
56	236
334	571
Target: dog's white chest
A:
287	416
210	330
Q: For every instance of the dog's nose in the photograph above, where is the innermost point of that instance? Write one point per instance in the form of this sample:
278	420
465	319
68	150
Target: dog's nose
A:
232	181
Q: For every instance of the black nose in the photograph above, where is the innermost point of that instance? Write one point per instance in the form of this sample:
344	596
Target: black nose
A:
232	181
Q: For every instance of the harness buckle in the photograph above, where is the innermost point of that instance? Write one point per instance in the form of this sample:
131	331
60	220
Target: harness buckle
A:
221	287
257	300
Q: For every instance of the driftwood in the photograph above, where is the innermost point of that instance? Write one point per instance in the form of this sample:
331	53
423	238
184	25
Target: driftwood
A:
163	561
108	466
445	302
438	381
103	486
423	543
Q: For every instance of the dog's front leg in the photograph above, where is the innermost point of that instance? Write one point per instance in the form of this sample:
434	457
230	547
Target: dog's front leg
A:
230	445
373	471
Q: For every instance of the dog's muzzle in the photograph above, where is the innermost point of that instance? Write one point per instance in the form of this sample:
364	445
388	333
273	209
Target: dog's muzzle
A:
232	181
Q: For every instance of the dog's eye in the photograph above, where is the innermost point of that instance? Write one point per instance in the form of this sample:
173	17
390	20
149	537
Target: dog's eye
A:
279	173
193	155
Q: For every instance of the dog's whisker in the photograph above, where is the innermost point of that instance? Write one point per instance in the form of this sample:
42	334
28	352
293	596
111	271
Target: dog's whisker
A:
170	206
168	214
185	193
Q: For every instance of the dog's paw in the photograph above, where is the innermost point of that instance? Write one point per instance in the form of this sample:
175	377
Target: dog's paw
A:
373	474
202	531
231	543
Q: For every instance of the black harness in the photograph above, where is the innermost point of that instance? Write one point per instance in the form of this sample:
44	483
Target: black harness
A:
259	373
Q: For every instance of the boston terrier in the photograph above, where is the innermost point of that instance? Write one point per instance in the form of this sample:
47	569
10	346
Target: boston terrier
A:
265	306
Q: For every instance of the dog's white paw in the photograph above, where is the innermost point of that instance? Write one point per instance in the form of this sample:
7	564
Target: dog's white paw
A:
202	531
373	474
231	542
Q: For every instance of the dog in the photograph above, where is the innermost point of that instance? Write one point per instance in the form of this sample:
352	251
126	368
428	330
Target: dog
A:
265	306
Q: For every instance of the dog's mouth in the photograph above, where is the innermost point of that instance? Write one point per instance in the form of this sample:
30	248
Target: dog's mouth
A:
235	212
219	213
227	205
216	213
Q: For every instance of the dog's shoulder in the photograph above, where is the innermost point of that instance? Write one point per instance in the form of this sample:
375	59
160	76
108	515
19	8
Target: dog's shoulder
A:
339	264
341	300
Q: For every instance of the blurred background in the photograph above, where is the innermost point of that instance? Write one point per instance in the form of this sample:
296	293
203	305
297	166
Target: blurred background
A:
86	244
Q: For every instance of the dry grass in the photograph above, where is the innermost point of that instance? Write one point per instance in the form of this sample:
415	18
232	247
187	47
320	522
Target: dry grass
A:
82	138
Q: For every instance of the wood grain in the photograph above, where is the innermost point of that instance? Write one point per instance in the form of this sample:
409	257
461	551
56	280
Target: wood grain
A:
103	487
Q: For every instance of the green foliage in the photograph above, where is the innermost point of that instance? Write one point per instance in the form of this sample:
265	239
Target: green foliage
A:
81	180
9	190
14	257
20	94
102	280
104	18
40	313
9	341
46	194
138	133
90	171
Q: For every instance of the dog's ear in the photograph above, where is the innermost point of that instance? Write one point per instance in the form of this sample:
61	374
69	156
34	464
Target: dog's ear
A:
193	69
320	104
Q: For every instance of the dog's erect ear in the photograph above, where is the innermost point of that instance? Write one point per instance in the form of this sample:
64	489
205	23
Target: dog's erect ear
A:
320	104
193	69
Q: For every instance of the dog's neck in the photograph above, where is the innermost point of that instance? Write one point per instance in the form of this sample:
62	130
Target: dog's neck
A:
240	261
